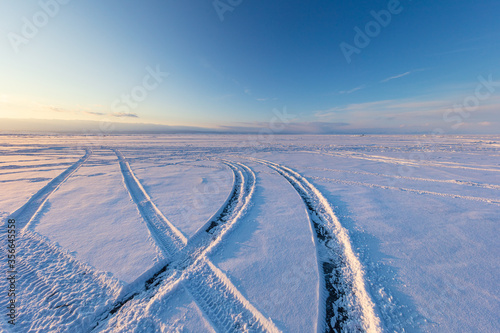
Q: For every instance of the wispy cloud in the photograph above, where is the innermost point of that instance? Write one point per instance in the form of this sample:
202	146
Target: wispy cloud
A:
123	114
403	75
336	111
58	109
414	115
385	108
94	113
395	77
352	90
405	105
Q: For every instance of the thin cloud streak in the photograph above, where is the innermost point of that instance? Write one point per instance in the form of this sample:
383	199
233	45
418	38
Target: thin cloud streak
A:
123	114
92	113
60	110
395	77
352	90
412	115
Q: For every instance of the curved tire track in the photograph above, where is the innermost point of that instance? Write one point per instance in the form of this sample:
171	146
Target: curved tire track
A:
344	302
211	233
218	298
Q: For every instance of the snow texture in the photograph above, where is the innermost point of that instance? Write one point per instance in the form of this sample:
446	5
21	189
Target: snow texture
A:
227	233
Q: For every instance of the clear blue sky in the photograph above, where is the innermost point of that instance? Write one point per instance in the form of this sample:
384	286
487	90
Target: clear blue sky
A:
264	55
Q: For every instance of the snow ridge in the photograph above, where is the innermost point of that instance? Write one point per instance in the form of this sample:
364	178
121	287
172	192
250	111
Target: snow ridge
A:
344	302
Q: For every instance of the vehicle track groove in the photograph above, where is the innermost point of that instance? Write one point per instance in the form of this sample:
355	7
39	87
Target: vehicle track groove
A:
344	305
208	285
25	214
166	235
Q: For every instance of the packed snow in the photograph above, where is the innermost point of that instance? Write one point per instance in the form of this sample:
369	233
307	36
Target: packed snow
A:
225	233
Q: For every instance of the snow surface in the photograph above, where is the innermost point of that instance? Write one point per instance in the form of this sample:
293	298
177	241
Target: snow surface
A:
117	232
93	216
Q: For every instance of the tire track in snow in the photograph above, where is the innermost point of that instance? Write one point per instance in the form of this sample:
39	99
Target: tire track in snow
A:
225	307
410	190
344	304
51	280
219	299
33	166
403	161
30	209
210	234
165	234
445	181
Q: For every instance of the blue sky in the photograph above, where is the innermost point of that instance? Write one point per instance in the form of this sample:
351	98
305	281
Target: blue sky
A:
233	63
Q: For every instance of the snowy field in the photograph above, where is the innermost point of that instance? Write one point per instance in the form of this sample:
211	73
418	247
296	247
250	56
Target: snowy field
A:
223	233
